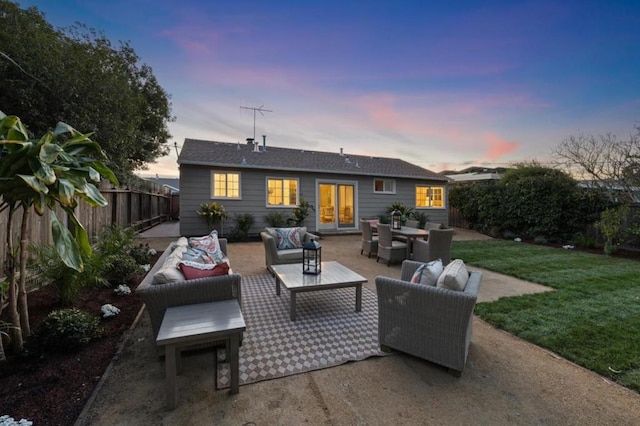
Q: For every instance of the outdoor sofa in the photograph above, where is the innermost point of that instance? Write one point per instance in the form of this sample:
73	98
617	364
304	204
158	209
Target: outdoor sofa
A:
166	285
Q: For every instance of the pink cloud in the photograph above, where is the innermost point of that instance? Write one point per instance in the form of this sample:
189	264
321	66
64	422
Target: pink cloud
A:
498	147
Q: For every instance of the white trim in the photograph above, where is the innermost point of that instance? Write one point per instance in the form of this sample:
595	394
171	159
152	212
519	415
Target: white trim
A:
281	179
385	182
225	172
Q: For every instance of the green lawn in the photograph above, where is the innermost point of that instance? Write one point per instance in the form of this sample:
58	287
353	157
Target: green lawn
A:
593	319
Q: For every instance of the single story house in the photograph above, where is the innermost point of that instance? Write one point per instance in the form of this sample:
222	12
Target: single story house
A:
249	178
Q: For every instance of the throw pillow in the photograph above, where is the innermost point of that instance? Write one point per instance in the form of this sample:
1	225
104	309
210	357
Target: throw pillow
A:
290	238
428	273
210	244
192	272
454	276
194	254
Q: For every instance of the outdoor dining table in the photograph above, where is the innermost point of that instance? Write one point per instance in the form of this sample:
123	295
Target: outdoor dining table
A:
408	232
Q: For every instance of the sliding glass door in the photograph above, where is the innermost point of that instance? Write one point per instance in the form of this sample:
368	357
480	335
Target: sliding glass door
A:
336	205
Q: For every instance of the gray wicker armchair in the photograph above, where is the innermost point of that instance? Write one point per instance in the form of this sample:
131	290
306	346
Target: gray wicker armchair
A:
388	248
429	322
438	246
369	242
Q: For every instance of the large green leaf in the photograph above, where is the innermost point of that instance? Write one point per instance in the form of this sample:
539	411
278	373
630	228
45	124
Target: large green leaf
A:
66	192
63	128
42	171
39	204
105	172
82	237
49	152
93	195
65	244
34	183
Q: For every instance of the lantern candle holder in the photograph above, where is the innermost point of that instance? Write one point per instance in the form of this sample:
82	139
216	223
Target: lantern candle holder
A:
396	219
311	258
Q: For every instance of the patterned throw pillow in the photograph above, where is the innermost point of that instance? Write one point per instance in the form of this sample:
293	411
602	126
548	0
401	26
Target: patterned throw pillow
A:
428	273
210	244
290	238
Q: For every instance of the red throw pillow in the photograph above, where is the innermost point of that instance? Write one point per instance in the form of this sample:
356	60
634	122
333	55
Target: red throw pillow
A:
192	273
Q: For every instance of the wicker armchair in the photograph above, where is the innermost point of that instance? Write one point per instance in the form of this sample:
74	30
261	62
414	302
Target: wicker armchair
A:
369	242
389	249
275	256
438	246
429	322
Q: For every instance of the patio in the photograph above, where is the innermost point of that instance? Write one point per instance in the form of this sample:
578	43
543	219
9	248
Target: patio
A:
506	380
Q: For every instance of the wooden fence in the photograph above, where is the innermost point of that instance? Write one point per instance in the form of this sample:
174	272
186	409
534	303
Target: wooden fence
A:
140	207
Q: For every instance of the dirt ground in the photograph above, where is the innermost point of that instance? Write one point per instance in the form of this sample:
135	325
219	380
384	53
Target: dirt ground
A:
506	380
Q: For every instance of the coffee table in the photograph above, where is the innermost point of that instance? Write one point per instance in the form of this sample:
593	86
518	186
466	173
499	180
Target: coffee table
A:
333	275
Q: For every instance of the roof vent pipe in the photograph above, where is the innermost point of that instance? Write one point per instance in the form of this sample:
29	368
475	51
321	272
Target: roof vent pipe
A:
341	154
256	147
264	143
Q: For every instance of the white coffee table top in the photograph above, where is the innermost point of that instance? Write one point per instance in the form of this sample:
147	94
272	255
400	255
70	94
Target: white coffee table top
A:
333	274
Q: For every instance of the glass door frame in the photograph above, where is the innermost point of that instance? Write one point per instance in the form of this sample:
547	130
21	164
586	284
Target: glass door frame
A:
335	225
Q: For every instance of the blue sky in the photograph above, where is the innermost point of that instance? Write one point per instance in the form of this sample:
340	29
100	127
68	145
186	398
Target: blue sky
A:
444	85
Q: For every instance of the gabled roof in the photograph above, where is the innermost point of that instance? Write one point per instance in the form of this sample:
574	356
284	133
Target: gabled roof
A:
242	155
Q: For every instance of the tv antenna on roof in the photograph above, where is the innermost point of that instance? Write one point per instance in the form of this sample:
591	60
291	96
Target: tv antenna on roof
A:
259	109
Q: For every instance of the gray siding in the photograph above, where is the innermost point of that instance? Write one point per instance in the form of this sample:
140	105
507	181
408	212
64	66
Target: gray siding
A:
195	189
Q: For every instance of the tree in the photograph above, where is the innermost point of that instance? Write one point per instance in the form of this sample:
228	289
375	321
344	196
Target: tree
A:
613	164
77	76
40	174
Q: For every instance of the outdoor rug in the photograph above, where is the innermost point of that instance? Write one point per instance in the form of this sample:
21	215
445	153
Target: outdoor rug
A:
327	331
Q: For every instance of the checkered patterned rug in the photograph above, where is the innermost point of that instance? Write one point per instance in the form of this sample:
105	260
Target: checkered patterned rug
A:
327	331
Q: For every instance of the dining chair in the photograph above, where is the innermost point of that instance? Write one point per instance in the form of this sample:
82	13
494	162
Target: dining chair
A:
412	223
388	248
438	246
432	225
369	242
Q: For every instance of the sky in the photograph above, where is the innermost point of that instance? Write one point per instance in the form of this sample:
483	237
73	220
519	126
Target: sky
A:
443	85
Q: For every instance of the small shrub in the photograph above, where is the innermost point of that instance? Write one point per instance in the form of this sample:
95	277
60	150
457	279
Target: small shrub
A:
212	213
421	217
114	240
508	235
541	240
67	281
276	219
63	331
240	232
301	212
583	240
141	253
610	224
384	219
119	268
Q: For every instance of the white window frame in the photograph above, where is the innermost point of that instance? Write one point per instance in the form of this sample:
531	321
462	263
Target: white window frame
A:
430	197
281	179
226	173
388	186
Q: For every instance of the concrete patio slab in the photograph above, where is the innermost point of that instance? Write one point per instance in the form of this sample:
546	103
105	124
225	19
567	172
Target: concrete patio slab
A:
506	380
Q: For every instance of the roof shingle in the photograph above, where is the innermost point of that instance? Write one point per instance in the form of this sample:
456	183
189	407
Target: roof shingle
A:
225	154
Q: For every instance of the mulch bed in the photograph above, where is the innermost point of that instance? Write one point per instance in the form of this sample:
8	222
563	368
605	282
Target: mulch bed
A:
55	389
